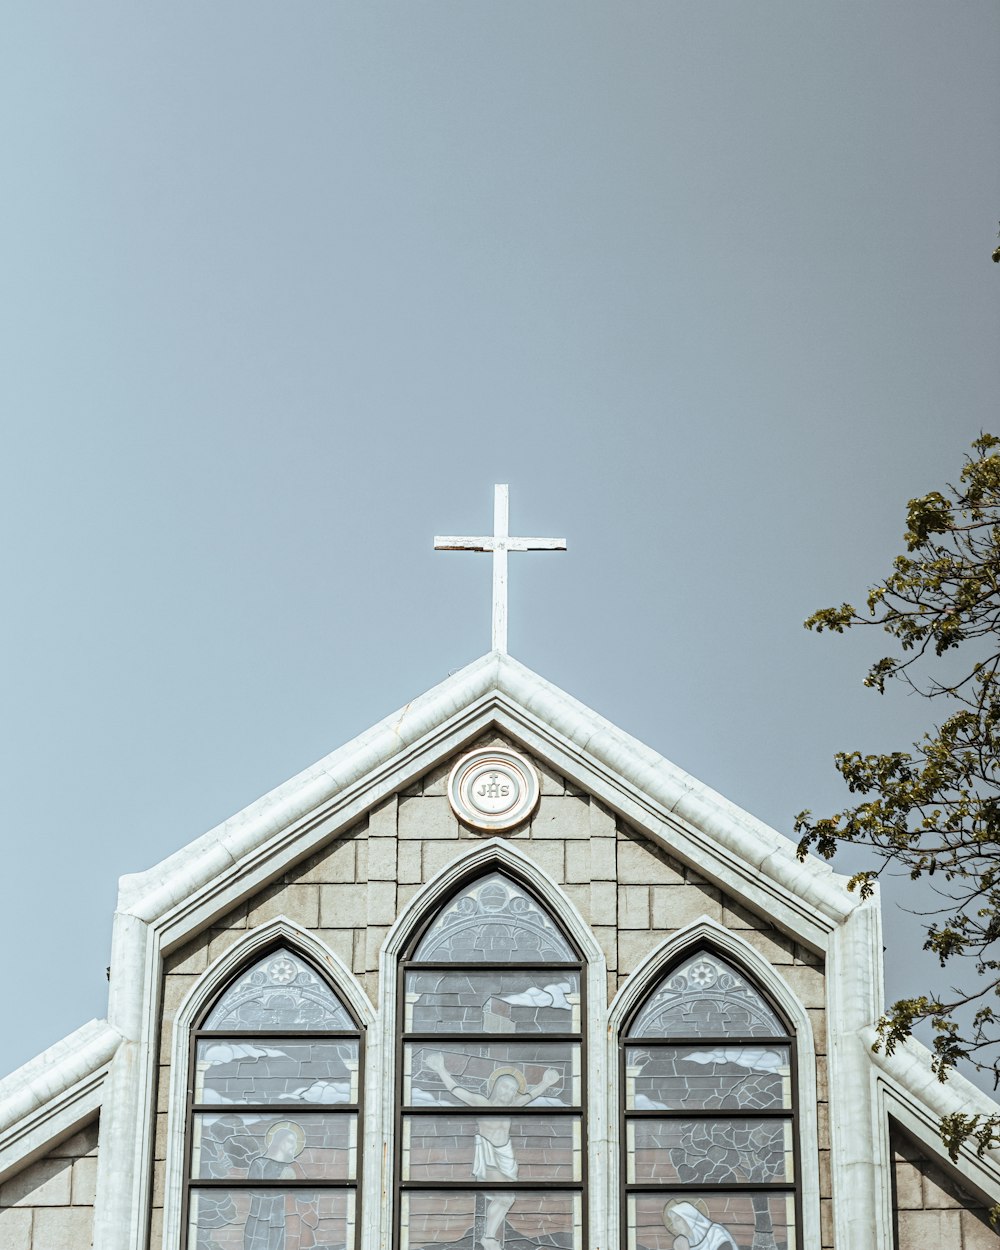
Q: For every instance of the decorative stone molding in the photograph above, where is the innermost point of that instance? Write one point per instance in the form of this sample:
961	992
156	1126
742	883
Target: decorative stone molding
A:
497	690
911	1094
52	1096
480	859
646	975
493	789
218	974
167	906
161	909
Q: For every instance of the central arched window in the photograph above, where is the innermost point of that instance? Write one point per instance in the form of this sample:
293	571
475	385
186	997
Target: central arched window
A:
273	1111
491	1134
709	1139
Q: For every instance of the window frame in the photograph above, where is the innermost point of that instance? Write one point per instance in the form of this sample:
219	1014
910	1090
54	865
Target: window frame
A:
404	963
196	1032
650	980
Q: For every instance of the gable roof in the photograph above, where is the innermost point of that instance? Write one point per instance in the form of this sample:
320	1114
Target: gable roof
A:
53	1095
686	817
160	909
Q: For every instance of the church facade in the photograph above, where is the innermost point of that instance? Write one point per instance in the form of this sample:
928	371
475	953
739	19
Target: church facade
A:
493	976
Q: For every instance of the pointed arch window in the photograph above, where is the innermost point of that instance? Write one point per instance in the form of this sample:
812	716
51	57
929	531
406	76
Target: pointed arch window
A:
273	1113
709	1136
491	1129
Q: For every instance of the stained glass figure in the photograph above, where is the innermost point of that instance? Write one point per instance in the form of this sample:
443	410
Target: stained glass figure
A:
716	1221
225	1147
703	1051
271	1219
277	1048
494	920
445	1148
446	1220
431	1070
498	1050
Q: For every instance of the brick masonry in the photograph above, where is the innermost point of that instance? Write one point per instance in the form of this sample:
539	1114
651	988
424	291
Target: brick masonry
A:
931	1210
631	894
50	1204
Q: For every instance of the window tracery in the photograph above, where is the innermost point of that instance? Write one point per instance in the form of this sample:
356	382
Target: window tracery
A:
709	1115
490	1147
273	1114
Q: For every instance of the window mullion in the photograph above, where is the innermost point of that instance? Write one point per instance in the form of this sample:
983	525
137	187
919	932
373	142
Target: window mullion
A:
495	1022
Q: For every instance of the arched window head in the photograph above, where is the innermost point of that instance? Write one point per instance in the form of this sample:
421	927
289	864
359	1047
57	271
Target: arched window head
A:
706	997
709	1131
494	920
280	992
491	1151
273	1113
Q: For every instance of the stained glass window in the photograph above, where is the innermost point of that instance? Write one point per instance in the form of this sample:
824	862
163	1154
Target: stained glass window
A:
273	1121
491	1150
494	920
709	1129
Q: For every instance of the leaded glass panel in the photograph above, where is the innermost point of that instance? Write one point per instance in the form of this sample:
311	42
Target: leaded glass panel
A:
710	1152
282	993
721	1221
543	1001
705	997
704	1078
493	920
702	1172
456	1220
515	1074
492	1006
462	1148
265	1070
273	1114
249	1147
271	1219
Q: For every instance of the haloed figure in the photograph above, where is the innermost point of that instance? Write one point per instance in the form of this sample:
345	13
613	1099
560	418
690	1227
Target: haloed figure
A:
494	1154
265	1226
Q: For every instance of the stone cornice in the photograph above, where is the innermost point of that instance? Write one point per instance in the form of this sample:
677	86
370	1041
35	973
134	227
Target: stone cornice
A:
54	1094
913	1095
151	894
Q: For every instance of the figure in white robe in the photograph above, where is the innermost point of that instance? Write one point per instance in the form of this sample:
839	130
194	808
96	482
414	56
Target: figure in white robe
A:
265	1226
493	1158
694	1229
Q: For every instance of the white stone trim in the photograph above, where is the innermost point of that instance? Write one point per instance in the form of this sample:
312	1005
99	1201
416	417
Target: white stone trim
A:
163	908
862	1185
480	859
124	1159
54	1095
207	986
713	850
554	717
910	1093
641	982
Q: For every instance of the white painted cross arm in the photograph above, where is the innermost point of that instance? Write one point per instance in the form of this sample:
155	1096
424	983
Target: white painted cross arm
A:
450	542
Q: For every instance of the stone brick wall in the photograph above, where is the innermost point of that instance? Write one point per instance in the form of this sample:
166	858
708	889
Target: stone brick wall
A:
50	1205
931	1210
630	893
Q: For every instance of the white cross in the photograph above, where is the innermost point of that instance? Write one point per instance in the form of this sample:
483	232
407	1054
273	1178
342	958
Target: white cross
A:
499	543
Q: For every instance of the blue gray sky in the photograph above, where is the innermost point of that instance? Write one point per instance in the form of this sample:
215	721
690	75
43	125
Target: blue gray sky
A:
287	287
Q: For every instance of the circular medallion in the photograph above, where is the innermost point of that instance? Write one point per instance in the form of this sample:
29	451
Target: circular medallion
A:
281	971
493	789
